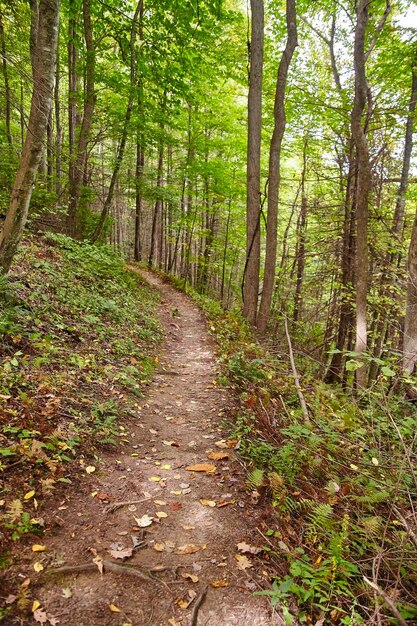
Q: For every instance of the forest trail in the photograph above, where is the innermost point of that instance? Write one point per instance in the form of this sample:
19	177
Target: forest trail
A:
196	519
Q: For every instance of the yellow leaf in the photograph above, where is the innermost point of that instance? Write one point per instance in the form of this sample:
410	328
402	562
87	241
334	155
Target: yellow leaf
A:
218	456
188	549
243	561
114	608
29	495
191	577
219	583
38	567
166	467
161	514
35	605
159	547
90	469
155	479
201	467
207	502
38	548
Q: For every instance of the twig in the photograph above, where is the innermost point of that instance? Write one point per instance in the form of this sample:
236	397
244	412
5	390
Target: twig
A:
406	525
295	374
390	604
111	508
197	605
107	565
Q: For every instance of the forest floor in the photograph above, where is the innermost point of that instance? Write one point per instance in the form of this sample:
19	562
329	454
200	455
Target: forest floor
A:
170	553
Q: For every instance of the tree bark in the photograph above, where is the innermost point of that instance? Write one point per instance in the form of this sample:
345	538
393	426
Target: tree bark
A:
6	82
410	322
44	59
80	157
274	173
253	175
362	188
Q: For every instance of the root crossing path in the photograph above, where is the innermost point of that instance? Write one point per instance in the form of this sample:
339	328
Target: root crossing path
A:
169	554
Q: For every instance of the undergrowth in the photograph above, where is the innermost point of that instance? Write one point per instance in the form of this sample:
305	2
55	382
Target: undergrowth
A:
341	533
78	344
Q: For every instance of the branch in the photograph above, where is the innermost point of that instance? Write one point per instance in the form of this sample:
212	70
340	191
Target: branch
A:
295	374
387	601
378	29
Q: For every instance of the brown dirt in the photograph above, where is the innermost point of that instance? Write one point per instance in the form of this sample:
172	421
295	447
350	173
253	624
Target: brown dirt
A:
183	406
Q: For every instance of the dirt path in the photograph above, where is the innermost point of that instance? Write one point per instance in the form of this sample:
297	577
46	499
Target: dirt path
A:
189	534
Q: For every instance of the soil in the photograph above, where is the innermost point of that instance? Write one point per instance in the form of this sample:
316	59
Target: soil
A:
196	518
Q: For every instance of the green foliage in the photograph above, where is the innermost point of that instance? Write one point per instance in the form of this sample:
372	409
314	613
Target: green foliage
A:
78	344
339	480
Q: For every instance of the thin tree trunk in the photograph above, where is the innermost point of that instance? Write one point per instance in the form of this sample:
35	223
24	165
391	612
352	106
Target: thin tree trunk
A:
80	156
72	111
44	59
58	128
6	82
253	176
274	173
122	145
362	189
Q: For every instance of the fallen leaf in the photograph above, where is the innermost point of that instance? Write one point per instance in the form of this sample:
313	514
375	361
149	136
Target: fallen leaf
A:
189	576
166	467
218	456
40	616
210	503
243	562
155	479
114	609
182	603
175	506
246	548
176	492
184	485
219	583
121	554
201	467
231	443
35	605
159	547
160	502
221	444
188	549
185	527
99	562
161	514
10	599
38	567
90	469
29	495
173	622
143	521
175	444
221	503
66	592
38	548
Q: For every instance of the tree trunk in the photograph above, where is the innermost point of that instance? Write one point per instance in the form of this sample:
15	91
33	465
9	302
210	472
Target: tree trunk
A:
80	156
6	82
274	173
72	111
362	188
253	174
58	129
122	145
410	322
44	59
158	205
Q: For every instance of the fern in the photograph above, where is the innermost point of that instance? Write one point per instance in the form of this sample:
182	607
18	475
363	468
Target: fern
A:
320	520
255	479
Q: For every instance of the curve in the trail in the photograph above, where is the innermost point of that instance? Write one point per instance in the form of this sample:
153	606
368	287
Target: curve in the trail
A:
197	517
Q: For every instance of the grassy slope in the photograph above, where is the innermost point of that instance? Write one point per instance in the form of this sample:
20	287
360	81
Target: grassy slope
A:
336	491
78	343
